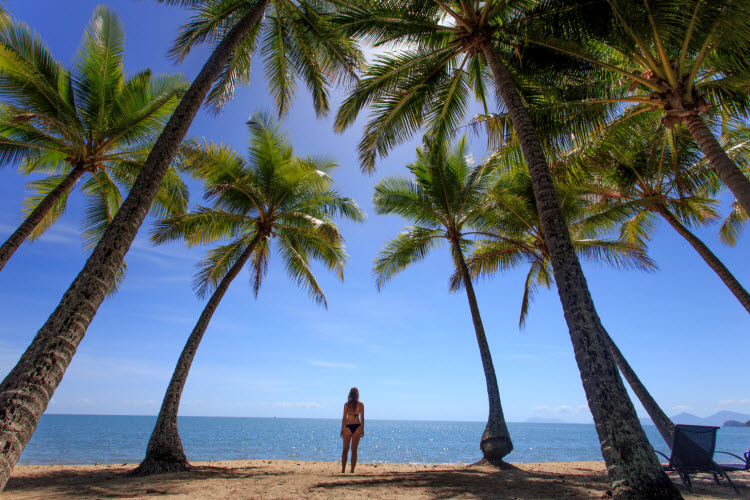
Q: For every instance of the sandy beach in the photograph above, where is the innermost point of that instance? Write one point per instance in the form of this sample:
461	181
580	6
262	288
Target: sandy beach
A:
264	479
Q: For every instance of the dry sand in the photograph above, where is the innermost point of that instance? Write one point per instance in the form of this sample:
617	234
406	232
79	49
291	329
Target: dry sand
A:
264	479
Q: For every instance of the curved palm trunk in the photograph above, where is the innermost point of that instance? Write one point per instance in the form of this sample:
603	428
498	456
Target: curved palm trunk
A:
660	419
164	453
730	174
38	215
27	389
633	467
712	260
495	443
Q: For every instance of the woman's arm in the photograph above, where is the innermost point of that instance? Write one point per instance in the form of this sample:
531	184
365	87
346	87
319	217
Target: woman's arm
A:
343	421
362	416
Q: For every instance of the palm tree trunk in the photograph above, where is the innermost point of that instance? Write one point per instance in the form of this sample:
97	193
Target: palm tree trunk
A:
633	467
38	215
164	453
712	260
27	389
495	443
660	419
730	174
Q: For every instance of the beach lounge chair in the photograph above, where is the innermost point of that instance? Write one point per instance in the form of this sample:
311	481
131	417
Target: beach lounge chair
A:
692	453
736	467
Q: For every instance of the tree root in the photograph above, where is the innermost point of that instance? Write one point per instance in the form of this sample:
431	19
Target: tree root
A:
151	467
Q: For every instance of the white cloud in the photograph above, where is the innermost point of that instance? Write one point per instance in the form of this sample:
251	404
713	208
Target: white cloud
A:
561	410
326	364
682	408
735	402
161	254
301	404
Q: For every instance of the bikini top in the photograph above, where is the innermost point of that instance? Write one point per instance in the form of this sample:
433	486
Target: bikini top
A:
352	414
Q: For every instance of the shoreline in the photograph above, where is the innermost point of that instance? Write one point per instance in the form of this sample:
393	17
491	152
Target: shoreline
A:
269	479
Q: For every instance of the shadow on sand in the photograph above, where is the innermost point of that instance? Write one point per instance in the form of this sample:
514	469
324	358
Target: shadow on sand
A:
267	479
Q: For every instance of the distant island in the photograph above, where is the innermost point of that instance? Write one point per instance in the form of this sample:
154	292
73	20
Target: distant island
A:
735	423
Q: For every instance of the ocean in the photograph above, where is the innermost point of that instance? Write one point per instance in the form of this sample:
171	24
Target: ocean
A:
110	439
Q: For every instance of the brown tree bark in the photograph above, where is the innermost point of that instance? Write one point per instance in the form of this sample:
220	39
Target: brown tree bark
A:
634	470
37	215
495	443
27	389
660	419
164	453
728	171
708	256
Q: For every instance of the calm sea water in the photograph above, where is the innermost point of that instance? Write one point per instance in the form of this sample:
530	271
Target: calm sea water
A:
90	439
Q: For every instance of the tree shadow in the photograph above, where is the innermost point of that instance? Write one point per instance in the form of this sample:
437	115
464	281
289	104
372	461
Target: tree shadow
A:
114	481
486	482
515	483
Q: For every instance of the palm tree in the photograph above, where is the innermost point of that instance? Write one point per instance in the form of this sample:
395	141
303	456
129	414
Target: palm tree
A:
272	196
444	200
295	39
514	237
681	58
444	49
88	123
645	171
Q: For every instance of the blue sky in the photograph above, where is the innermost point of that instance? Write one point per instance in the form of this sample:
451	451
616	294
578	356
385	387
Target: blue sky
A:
410	349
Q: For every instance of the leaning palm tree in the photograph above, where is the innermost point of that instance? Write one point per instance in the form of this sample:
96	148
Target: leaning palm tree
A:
272	195
444	199
645	172
295	40
443	53
681	58
514	237
88	123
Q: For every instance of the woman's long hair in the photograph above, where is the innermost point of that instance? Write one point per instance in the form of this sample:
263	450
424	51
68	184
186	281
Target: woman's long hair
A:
353	399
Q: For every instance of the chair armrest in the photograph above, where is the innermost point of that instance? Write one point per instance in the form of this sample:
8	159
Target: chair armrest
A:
662	454
735	456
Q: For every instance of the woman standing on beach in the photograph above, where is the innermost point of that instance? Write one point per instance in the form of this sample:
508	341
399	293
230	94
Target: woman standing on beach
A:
352	427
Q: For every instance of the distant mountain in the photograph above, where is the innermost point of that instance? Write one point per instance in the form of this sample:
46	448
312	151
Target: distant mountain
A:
723	416
690	419
717	419
537	420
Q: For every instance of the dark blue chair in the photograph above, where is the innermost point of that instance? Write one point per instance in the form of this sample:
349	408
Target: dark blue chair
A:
736	467
693	453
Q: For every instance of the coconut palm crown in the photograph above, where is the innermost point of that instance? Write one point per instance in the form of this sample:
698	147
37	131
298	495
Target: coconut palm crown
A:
512	236
444	199
685	59
272	196
90	123
642	171
294	38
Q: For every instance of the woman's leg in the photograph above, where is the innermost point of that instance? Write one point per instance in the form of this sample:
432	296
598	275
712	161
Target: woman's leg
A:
355	443
347	440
